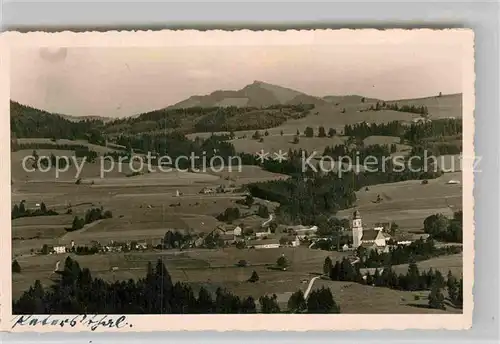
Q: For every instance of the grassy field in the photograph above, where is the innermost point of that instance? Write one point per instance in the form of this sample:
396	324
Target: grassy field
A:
408	203
355	298
453	263
198	267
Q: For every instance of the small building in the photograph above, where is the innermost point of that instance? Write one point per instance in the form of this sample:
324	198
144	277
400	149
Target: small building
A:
59	249
290	240
264	243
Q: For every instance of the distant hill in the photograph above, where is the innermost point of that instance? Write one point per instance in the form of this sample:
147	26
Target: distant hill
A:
257	94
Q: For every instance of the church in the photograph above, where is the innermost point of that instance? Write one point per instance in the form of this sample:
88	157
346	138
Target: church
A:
369	238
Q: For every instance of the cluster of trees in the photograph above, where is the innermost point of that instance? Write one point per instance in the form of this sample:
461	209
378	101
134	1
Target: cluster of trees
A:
442	228
421	110
402	254
417	132
21	211
15	146
319	301
303	200
413	280
229	215
361	153
77	292
437	148
86	250
309	132
16	268
175	145
29	122
91	215
176	239
208	119
363	130
310	194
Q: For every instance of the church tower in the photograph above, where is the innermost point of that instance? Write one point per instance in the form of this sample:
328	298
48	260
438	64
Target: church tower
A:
357	230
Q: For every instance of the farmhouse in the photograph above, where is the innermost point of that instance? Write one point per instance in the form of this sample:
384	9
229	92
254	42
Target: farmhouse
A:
59	249
290	240
264	243
304	231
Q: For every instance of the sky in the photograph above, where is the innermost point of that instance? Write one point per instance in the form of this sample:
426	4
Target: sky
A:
123	81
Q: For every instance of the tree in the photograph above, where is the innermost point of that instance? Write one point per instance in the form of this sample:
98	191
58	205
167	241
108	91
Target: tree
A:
332	132
254	278
256	135
249	200
413	276
269	304
16	268
363	99
327	266
309	132
321	301
296	302
440	94
282	133
321	132
282	262
45	249
273	226
436	298
43	207
297	132
263	211
452	285
295	139
266	133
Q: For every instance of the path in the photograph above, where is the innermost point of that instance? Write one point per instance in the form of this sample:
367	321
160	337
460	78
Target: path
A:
265	223
309	287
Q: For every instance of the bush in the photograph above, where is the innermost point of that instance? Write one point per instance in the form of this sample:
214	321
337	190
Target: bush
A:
16	268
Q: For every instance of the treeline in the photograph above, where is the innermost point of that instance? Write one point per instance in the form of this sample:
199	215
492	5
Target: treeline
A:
415	133
20	210
402	254
310	194
91	215
208	119
413	280
418	109
77	292
28	122
442	228
208	151
361	153
309	132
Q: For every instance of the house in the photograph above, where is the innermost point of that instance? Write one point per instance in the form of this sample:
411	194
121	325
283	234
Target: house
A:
59	249
263	234
207	190
304	231
264	243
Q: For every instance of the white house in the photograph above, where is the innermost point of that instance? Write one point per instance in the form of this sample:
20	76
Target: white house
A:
60	249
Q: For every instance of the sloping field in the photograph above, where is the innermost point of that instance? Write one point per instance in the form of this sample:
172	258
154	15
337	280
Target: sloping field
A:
453	263
408	203
355	298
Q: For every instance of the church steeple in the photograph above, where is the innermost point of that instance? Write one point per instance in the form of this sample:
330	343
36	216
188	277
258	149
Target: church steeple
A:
357	229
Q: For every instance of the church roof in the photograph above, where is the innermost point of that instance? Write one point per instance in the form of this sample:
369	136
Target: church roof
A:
356	214
370	234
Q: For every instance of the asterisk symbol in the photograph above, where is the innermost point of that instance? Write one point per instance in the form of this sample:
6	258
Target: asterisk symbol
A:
280	156
262	155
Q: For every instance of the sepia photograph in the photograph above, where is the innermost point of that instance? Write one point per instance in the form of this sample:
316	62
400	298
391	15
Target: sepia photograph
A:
295	172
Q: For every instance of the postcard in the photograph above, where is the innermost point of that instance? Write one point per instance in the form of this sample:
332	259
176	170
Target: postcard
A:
243	180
